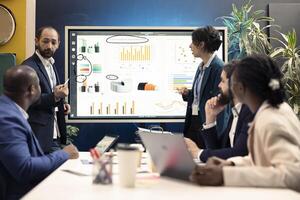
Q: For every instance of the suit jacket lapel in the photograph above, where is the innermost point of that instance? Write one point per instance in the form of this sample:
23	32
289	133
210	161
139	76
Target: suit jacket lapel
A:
36	143
239	123
28	127
56	74
195	78
251	140
226	133
251	130
43	70
206	75
204	79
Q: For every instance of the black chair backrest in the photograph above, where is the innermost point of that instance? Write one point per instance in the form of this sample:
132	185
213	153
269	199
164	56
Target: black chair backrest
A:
2	187
7	60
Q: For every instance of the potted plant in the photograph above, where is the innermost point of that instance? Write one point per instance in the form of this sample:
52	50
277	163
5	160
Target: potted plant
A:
289	52
72	131
246	36
245	33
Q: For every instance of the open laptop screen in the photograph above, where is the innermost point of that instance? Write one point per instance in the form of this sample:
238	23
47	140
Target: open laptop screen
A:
169	154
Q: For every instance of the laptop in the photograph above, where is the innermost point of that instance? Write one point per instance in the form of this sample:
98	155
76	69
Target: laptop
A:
169	154
106	142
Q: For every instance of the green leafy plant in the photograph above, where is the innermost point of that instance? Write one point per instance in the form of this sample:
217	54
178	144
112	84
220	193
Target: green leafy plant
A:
246	36
72	131
289	52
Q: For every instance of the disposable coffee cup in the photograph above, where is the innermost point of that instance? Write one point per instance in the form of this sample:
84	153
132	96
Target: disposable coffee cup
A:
141	150
127	160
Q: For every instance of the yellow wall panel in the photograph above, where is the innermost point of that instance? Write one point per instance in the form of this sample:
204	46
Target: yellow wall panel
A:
18	42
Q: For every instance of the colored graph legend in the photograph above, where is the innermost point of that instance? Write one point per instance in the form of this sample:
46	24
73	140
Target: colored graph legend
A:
181	80
97	68
84	68
135	53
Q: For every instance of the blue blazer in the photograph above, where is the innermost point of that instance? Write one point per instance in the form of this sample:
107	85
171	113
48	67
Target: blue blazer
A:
41	114
209	88
220	146
22	161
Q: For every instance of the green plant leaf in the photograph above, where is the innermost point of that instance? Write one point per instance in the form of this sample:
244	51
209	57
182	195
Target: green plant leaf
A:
245	33
277	52
71	131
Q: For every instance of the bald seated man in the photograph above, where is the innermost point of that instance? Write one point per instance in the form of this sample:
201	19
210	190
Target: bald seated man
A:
22	161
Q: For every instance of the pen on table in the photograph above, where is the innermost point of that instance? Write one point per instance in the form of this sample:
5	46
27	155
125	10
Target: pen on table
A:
74	172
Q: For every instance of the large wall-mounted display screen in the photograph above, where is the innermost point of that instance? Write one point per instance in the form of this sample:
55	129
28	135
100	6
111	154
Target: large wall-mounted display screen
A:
130	74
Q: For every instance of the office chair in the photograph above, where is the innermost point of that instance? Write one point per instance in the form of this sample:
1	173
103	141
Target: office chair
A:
7	60
2	187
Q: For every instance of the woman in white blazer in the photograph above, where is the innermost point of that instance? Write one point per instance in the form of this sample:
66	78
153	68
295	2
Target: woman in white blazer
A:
274	134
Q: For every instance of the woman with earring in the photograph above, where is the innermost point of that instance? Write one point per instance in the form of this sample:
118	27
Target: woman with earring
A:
205	42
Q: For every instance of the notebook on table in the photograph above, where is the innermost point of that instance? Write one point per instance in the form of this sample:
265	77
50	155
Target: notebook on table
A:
103	145
106	142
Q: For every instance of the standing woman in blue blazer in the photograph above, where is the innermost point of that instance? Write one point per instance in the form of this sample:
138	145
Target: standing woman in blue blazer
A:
205	41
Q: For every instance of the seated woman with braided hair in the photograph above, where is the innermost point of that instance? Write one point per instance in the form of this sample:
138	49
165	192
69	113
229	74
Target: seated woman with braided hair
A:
274	134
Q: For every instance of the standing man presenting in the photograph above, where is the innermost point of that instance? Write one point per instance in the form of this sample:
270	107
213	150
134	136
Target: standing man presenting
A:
47	116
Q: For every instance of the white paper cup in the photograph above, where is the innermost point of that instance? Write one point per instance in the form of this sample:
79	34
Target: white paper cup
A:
141	150
127	160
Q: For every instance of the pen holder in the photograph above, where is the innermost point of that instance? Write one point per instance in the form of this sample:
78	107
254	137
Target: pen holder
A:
102	170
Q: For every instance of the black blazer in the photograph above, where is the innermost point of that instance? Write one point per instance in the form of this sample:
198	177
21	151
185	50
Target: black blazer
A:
209	88
41	114
220	147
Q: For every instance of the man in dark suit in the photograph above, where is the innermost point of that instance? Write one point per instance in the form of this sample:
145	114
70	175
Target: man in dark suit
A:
233	141
47	118
205	41
22	161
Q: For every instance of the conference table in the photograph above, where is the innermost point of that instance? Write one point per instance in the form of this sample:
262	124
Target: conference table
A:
73	180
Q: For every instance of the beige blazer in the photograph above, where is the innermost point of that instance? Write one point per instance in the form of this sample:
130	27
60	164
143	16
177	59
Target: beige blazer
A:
274	151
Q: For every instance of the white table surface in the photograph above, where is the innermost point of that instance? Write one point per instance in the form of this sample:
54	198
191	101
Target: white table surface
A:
64	185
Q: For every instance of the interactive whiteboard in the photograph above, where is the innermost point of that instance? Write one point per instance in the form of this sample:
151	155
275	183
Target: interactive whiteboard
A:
130	74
